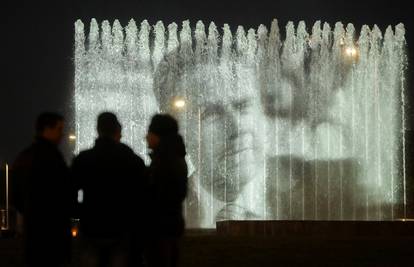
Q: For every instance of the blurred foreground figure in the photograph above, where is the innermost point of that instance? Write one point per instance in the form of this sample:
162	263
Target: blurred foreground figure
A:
41	194
168	183
112	178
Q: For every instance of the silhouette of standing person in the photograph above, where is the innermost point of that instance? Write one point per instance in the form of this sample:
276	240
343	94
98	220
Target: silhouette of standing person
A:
168	183
113	180
41	194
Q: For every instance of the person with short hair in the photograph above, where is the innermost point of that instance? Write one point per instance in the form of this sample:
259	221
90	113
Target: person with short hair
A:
113	180
41	194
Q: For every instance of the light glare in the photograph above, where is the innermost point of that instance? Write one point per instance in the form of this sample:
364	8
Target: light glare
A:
351	51
179	103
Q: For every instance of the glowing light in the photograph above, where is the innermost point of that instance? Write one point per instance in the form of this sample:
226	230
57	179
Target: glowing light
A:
80	196
7	187
6	211
72	137
351	51
179	103
74	232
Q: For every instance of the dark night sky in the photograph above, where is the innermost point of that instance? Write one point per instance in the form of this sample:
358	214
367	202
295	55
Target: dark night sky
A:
37	40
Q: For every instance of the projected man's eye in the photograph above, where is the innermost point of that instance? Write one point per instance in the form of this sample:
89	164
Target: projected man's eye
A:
242	105
212	110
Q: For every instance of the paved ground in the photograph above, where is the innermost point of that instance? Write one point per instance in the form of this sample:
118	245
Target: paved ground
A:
248	251
201	249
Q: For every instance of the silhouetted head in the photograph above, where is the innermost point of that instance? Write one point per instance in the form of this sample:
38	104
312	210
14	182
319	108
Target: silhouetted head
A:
108	126
163	135
161	126
49	126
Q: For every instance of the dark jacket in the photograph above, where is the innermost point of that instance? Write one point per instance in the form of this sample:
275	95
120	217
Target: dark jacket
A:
40	187
168	181
113	180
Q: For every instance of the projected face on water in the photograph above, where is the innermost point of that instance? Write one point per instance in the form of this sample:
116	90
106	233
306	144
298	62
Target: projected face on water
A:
254	139
224	134
308	127
233	145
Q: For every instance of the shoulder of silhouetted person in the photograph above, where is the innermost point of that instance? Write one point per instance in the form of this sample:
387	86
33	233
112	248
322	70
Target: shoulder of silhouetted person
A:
135	164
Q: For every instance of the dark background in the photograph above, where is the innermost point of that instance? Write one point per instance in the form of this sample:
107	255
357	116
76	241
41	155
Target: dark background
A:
37	45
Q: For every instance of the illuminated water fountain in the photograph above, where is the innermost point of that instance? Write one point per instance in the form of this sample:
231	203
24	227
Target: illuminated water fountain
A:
308	127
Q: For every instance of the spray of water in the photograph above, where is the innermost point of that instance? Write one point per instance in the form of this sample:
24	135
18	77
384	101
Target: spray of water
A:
309	126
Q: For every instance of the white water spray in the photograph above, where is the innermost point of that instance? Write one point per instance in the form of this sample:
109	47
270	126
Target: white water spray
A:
310	126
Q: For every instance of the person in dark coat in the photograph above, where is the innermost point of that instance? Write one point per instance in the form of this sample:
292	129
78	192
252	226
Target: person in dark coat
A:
112	178
168	183
41	194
